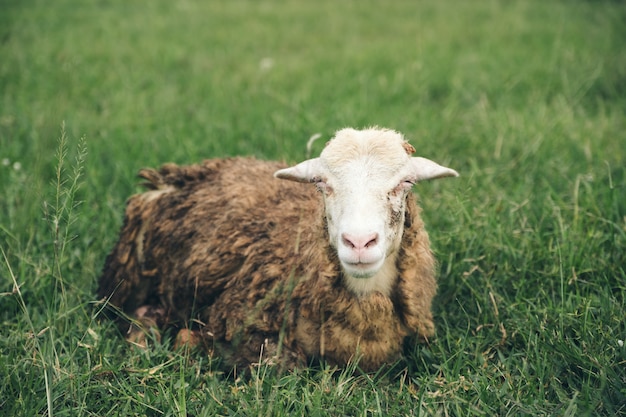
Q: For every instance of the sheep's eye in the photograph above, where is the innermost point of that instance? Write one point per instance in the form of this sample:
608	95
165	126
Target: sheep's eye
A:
403	186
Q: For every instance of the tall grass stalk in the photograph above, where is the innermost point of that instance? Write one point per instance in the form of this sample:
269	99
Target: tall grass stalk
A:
60	216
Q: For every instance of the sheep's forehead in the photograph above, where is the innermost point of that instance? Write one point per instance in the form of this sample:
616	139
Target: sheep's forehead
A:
373	154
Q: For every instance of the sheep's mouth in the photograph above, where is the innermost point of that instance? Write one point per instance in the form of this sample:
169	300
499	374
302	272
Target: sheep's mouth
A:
361	270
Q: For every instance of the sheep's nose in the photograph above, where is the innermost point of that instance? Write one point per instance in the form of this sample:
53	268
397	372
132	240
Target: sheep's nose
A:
359	242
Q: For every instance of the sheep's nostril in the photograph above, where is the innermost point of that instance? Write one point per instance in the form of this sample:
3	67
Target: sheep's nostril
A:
372	242
346	241
359	242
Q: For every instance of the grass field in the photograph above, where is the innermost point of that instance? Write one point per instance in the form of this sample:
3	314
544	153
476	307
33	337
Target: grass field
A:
526	99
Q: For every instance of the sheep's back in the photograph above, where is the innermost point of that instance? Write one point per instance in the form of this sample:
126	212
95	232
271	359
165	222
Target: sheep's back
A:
210	242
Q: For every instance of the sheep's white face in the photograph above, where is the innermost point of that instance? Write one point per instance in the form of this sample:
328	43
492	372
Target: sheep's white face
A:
365	177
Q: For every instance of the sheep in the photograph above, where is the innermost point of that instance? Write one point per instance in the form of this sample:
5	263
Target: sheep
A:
255	269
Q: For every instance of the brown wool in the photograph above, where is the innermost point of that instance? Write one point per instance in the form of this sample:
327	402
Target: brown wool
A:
243	259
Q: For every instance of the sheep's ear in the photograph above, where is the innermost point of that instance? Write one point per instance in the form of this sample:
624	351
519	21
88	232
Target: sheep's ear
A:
306	171
425	169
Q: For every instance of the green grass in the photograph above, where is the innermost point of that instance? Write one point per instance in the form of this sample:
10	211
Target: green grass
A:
526	99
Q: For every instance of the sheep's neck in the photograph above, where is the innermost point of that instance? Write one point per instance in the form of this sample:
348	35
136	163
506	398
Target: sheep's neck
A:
382	282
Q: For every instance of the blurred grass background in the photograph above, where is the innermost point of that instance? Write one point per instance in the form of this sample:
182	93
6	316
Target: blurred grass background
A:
526	99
